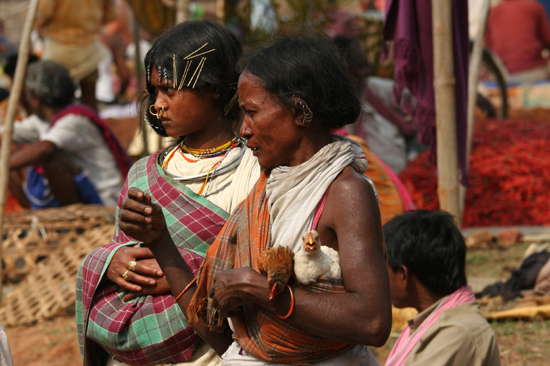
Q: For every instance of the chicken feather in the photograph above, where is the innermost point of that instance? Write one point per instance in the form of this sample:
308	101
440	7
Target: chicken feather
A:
278	264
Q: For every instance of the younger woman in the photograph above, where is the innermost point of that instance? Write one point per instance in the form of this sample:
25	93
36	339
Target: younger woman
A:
126	313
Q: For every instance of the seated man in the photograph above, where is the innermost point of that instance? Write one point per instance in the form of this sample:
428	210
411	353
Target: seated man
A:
521	47
426	256
72	154
387	130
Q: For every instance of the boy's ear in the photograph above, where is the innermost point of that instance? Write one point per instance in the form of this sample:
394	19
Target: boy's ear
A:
403	276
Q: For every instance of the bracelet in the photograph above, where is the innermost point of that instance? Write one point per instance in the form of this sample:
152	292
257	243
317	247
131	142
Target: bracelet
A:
291	304
185	289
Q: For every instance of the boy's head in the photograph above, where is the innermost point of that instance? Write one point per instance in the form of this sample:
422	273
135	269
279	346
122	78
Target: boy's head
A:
431	248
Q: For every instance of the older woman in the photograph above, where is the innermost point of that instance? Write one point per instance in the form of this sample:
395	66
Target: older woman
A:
292	93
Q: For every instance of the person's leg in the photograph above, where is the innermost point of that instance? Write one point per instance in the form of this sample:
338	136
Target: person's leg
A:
15	185
87	89
60	172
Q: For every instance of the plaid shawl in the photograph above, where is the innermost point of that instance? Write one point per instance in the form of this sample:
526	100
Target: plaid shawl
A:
149	329
259	332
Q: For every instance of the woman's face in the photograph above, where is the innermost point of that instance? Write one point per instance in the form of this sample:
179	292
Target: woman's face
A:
271	129
187	112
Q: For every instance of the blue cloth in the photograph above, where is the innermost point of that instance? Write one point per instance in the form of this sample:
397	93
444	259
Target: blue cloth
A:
546	5
39	193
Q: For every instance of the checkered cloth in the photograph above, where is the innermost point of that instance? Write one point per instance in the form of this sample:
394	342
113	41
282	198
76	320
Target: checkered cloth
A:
259	332
150	329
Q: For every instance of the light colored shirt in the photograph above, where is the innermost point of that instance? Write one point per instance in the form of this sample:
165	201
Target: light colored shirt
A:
84	145
74	22
460	336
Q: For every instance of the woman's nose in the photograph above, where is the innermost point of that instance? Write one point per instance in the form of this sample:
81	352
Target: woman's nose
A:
245	130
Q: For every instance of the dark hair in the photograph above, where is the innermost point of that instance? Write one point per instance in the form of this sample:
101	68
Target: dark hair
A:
11	63
431	246
50	82
218	72
309	68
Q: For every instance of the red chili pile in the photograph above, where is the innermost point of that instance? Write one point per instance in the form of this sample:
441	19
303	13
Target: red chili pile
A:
509	175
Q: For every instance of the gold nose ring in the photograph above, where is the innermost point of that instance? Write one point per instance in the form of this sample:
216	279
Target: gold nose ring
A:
158	114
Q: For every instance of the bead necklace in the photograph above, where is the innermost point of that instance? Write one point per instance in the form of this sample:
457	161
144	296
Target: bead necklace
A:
205	153
222	151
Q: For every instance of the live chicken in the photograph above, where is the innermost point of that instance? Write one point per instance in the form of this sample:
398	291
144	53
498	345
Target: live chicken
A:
314	260
278	264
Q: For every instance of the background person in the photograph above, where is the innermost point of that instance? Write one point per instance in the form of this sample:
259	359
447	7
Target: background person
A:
521	46
126	313
426	256
388	131
72	154
70	30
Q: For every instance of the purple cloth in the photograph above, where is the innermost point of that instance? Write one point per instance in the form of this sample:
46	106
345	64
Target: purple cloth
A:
408	24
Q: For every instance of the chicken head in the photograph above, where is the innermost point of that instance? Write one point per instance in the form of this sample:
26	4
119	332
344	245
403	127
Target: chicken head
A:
278	264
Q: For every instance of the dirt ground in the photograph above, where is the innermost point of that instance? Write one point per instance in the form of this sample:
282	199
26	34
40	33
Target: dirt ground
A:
54	342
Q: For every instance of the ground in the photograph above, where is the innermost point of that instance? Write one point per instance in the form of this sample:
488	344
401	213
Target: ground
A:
54	342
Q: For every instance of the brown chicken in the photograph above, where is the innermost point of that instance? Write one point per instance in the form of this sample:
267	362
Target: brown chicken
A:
278	265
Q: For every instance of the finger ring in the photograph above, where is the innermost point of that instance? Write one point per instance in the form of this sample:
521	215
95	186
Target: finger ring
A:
125	276
132	265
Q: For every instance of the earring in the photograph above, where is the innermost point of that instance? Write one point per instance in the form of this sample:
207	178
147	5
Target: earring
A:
159	113
306	113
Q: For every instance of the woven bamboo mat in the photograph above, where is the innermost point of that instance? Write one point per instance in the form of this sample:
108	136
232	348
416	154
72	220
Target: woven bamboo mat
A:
49	289
31	236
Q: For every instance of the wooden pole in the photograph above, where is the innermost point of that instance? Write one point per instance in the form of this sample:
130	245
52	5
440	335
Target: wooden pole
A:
220	11
182	10
473	78
139	76
445	108
13	103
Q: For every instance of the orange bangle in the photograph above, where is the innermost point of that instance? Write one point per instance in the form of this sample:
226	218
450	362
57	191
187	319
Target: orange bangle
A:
185	289
291	304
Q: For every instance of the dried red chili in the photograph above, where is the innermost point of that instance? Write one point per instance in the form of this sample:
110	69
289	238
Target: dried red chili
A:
509	176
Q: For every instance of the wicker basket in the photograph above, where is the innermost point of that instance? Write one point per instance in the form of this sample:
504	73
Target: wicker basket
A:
49	289
31	236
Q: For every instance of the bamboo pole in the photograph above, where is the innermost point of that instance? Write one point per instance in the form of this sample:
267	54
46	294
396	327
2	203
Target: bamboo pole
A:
13	103
445	107
140	86
220	11
473	78
182	10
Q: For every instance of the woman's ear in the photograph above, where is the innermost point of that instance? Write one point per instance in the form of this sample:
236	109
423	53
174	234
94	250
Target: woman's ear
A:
304	115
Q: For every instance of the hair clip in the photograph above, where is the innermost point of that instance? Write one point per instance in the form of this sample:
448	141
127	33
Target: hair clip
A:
175	72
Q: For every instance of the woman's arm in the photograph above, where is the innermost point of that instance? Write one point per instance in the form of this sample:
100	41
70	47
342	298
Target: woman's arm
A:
144	221
351	224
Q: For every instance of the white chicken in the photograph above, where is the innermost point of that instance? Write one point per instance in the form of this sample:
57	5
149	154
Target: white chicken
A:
315	260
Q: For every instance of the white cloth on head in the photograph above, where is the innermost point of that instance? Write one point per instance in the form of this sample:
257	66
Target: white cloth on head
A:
293	193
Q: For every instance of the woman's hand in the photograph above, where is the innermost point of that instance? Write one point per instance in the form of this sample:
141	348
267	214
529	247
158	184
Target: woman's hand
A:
235	287
140	218
159	288
145	274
